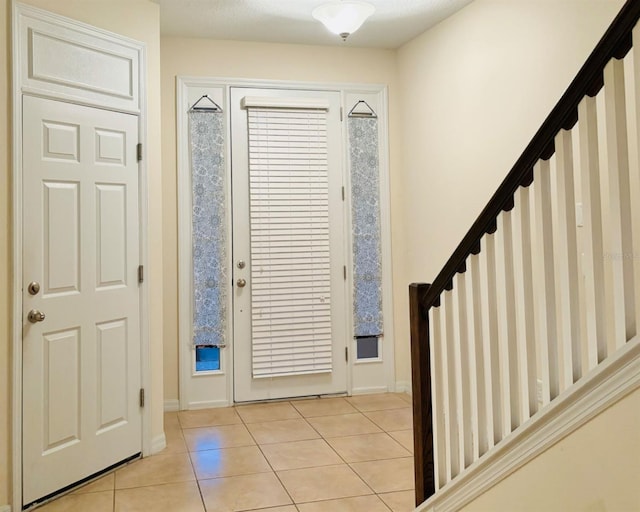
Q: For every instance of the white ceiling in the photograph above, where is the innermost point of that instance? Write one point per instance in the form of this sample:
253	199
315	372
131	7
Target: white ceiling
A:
289	21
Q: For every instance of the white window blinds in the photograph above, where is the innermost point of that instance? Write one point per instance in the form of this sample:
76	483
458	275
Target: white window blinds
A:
289	232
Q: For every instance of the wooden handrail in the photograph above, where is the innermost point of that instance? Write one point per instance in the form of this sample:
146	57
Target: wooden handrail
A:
615	43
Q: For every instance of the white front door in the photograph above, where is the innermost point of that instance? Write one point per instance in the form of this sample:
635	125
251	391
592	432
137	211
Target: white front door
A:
81	328
288	244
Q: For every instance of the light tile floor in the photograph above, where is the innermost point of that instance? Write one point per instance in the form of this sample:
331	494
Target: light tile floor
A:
318	455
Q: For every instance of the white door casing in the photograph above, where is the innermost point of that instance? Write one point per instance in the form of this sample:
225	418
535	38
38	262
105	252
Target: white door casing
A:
247	386
81	364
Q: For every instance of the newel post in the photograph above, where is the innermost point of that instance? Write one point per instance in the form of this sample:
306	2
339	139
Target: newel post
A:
421	390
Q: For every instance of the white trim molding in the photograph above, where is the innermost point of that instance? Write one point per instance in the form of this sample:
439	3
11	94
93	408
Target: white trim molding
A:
608	383
403	386
208	404
171	405
158	444
370	390
35	28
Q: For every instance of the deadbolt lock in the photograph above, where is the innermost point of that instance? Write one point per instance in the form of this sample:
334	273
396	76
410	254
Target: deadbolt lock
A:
33	288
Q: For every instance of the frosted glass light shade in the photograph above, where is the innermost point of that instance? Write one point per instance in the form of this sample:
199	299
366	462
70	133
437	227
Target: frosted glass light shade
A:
343	17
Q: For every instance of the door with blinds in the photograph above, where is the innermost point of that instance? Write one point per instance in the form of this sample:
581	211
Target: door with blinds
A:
288	244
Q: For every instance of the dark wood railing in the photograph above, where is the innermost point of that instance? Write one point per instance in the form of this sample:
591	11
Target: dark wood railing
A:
616	43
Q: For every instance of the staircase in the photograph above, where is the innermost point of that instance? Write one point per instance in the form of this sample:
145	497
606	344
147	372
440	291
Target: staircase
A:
531	328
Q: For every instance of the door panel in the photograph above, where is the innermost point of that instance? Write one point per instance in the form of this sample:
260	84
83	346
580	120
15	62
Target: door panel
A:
111	209
81	363
112	342
288	229
61	385
61	223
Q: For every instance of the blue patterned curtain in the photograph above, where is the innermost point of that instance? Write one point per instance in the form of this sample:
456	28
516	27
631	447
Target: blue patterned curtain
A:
209	240
365	214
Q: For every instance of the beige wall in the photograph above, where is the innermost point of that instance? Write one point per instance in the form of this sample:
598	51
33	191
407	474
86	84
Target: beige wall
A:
137	19
473	92
596	469
208	58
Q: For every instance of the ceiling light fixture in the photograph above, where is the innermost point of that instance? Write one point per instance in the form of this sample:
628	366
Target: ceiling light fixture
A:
343	17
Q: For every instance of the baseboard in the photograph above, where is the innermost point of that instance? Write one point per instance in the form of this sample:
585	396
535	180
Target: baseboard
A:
403	386
608	383
170	405
158	444
370	390
5	508
209	404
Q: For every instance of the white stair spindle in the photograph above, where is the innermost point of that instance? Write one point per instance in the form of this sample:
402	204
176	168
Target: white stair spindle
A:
489	329
592	262
566	264
476	359
455	344
438	386
619	244
452	387
490	338
544	282
523	275
507	323
440	327
465	394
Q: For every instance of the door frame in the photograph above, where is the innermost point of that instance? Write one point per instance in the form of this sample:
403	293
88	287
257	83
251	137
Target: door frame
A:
196	391
52	91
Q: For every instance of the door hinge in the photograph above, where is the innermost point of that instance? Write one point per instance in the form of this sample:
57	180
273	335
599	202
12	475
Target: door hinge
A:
344	272
340	113
139	152
140	274
346	354
141	397
343	193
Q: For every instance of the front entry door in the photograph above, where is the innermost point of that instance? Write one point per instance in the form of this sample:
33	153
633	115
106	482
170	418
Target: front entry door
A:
81	328
288	244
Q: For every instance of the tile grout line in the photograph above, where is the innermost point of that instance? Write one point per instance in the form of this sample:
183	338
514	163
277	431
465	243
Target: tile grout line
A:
246	424
327	443
195	474
378	424
268	461
341	458
189	452
385	432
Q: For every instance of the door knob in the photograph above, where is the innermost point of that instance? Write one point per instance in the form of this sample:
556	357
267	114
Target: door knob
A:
36	316
241	283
